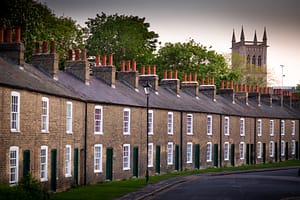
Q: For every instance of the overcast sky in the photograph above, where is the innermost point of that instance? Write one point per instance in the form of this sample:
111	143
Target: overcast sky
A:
209	22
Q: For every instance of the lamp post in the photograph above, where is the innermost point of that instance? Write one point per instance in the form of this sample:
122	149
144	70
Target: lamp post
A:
147	87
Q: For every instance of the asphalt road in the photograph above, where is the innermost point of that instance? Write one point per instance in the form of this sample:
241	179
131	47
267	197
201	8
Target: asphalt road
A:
269	185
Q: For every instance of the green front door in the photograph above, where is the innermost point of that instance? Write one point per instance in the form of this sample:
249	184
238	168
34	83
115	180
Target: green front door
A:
135	170
53	170
216	155
109	163
26	162
177	157
197	156
75	180
157	160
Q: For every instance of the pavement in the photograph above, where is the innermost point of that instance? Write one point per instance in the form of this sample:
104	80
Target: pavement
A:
151	189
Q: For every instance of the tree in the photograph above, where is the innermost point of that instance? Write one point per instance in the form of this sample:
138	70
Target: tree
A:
127	37
191	57
38	23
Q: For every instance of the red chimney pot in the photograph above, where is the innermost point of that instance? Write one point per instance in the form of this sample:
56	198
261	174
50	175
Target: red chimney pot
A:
104	60
1	35
110	59
18	34
97	60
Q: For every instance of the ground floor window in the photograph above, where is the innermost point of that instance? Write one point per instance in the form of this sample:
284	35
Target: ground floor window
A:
170	153
13	165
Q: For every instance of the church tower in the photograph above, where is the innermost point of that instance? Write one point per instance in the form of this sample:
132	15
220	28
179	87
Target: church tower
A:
250	57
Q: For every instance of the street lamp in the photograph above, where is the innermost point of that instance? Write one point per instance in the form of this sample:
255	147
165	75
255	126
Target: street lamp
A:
147	87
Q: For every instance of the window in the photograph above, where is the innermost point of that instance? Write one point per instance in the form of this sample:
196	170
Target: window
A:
293	147
44	163
209	125
150	122
68	161
97	158
259	149
150	155
126	121
209	152
271	127
254	60
170	153
293	127
282	148
189	152
170	123
45	114
282	127
126	156
98	121
259	127
271	149
189	124
242	126
242	150
15	112
13	165
226	151
69	117
226	126
259	61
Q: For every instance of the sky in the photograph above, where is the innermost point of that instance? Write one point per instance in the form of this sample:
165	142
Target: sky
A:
210	23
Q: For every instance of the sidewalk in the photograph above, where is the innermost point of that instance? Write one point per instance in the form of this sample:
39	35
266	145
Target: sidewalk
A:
151	189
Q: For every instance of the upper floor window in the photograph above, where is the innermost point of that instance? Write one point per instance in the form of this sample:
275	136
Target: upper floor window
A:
259	149
282	127
13	165
209	125
97	158
15	112
69	117
293	147
126	156
170	123
208	151
44	163
242	150
126	121
170	153
98	120
271	149
226	151
45	114
259	127
293	127
150	155
226	125
271	127
242	126
259	61
189	152
189	124
150	122
253	60
68	158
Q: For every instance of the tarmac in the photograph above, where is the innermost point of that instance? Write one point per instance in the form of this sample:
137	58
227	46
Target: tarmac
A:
151	189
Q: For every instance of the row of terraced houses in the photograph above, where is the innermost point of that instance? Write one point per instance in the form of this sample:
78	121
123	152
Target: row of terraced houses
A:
85	125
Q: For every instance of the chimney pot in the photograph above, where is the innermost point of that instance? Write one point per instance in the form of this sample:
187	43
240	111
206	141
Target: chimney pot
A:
236	88
170	74
195	76
18	34
231	84
1	35
77	54
207	80
37	47
52	47
202	81
268	90
143	70
9	35
45	47
212	80
256	88
128	65
134	65
70	54
265	90
110	59
248	88
123	66
176	74
222	84
245	87
104	60
154	69
97	60
184	77
260	90
226	83
148	69
165	74
83	54
190	77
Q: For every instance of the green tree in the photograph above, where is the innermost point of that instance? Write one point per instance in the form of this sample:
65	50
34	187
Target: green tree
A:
192	57
38	23
127	37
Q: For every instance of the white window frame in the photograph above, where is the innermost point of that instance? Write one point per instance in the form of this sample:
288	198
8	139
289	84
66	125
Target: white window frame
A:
209	125
15	111
259	127
226	125
293	147
242	126
68	161
69	117
170	126
242	150
271	149
282	131
293	127
208	152
126	156
126	121
271	127
259	149
98	152
45	115
282	143
170	153
44	163
98	120
150	122
189	152
189	124
150	154
226	150
13	165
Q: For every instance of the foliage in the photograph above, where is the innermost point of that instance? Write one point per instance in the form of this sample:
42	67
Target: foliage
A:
191	57
28	189
127	37
38	23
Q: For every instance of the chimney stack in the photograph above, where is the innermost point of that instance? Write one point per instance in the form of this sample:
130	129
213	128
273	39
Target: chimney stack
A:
171	83
227	93
190	86
209	89
152	78
106	73
242	94
128	75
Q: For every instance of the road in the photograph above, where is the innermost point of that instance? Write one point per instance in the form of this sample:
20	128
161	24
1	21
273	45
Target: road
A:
281	184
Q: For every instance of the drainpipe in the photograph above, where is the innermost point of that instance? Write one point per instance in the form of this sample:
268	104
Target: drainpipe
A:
221	124
181	139
279	153
254	145
85	144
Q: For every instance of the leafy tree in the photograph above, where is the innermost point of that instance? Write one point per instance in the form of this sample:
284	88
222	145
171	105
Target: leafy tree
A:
191	57
38	23
127	37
